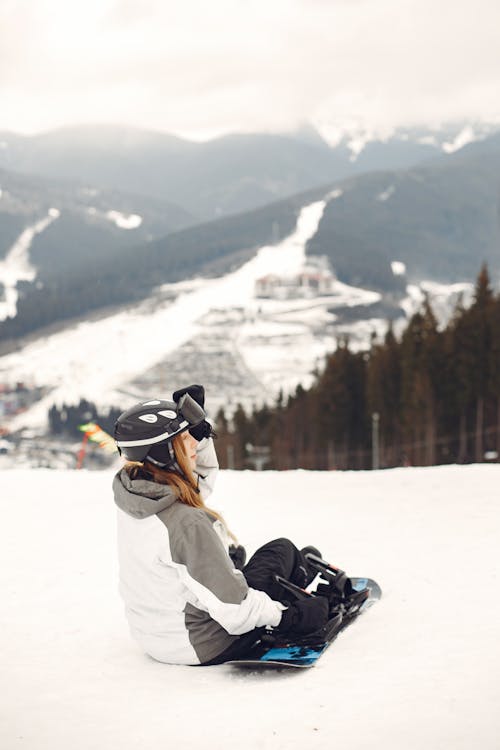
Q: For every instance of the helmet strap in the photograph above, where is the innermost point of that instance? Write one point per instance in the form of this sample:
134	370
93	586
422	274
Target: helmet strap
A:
171	465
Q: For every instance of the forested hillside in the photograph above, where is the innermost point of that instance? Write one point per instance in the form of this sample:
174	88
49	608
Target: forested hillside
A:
227	175
440	219
72	287
230	174
91	217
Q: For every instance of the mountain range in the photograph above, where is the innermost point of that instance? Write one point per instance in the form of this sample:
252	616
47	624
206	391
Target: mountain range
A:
136	209
440	219
230	174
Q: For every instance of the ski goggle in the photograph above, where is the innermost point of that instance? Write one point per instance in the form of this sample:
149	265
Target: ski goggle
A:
190	410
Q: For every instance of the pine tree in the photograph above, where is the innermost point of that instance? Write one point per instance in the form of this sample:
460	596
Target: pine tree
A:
480	314
243	434
419	345
494	370
384	395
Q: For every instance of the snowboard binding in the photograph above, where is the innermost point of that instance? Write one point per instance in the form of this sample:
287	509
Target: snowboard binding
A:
275	650
345	600
334	584
337	587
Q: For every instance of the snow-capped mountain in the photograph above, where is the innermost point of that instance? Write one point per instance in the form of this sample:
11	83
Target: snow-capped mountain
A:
226	175
230	174
414	142
438	218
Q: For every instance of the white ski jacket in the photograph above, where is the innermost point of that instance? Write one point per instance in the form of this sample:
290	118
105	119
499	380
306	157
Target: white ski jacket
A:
184	599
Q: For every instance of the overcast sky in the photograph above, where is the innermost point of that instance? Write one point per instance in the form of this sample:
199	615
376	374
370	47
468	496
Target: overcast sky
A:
203	67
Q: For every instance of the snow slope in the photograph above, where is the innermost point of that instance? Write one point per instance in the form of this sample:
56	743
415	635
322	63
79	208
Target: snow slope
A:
420	670
16	265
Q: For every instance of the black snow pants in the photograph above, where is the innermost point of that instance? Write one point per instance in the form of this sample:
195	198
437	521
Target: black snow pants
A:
280	557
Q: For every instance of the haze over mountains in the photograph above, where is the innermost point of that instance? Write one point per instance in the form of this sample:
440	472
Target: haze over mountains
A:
230	174
111	245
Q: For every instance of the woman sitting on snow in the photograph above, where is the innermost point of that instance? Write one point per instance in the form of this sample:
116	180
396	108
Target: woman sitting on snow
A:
186	600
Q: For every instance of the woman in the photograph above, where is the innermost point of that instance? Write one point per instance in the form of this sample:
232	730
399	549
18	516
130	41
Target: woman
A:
185	600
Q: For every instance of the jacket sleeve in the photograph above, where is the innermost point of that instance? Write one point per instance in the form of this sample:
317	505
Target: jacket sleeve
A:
217	587
207	465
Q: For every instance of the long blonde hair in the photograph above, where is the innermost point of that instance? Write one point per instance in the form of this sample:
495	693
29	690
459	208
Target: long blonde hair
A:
185	486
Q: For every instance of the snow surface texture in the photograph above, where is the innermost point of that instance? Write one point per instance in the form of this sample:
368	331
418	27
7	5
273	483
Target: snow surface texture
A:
419	670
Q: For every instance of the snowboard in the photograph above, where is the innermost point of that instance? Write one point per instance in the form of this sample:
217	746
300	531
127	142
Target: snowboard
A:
285	654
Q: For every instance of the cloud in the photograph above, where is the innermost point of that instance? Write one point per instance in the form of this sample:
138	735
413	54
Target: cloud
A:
197	67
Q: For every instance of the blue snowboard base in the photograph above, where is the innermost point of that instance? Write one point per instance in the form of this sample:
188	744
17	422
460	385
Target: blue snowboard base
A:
304	655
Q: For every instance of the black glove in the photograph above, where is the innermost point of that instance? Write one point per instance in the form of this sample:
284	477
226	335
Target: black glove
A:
202	430
305	616
197	393
238	555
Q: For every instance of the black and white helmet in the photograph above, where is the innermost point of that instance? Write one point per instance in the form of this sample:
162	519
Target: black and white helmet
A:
147	429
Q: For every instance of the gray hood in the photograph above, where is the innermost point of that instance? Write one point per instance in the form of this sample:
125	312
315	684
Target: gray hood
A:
141	498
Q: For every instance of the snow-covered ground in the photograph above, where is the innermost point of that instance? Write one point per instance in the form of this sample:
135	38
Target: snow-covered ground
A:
419	670
443	298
